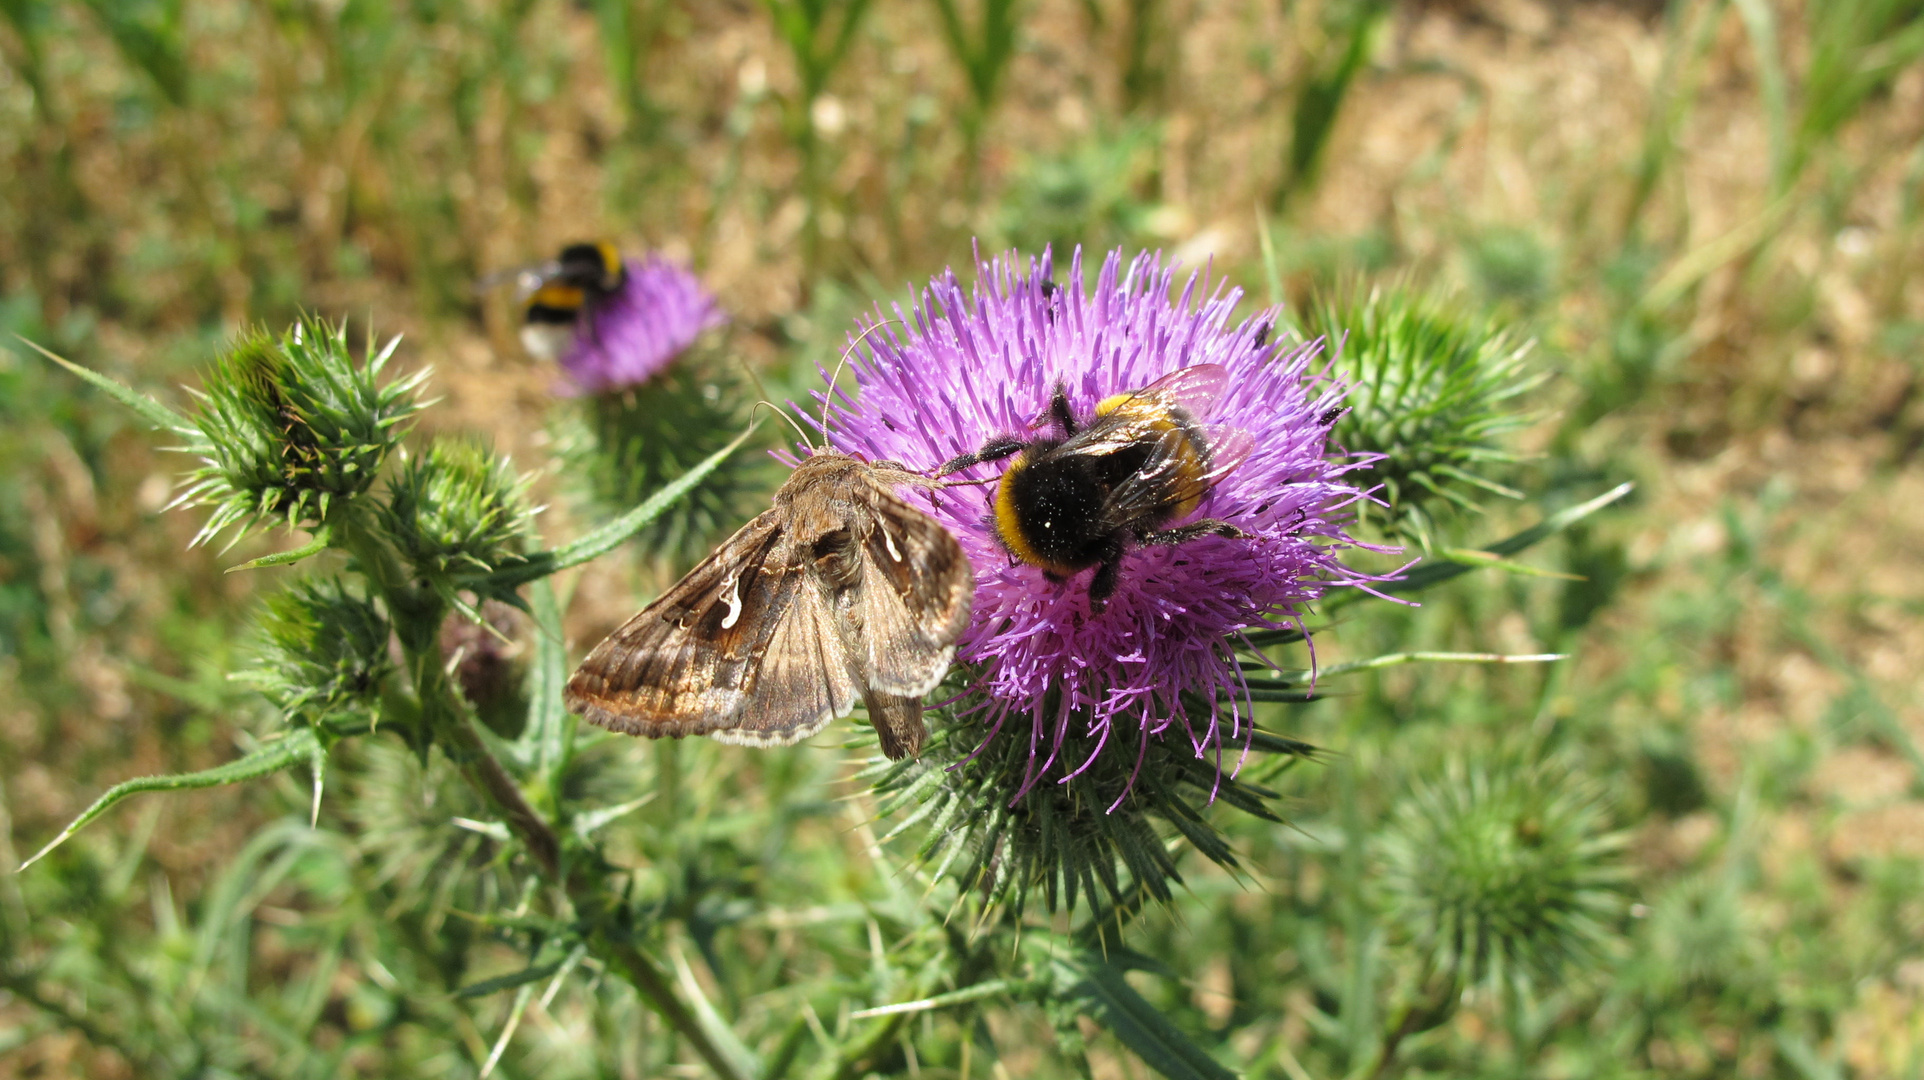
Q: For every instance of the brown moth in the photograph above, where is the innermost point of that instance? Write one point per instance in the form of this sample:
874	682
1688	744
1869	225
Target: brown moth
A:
840	590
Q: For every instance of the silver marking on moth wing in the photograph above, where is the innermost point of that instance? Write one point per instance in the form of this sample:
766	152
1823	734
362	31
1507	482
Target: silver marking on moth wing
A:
734	603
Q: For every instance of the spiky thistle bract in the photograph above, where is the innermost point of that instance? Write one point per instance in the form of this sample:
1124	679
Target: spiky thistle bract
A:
1432	395
323	648
1065	842
288	427
1501	873
456	511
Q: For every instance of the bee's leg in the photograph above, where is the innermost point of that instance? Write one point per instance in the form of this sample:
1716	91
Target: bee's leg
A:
1108	572
994	450
1205	527
1059	409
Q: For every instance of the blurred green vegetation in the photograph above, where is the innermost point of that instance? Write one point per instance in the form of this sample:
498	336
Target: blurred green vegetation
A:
1707	214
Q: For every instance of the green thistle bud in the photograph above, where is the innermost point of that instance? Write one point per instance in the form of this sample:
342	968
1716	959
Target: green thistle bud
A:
626	443
289	428
323	649
1014	837
1502	875
1432	393
456	511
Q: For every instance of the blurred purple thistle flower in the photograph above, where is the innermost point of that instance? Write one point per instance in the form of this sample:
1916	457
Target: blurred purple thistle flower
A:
628	336
983	362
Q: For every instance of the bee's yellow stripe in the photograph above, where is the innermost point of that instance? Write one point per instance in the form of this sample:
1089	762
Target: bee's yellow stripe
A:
610	260
558	296
1008	524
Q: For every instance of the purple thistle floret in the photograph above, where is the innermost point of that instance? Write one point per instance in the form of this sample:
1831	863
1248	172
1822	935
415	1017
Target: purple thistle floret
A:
967	365
627	337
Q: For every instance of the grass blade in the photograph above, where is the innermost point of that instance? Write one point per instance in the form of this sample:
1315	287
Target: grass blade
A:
1106	997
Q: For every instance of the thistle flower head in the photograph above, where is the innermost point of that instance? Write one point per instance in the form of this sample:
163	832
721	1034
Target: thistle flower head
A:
288	426
1502	874
1432	399
456	510
628	336
1154	663
323	648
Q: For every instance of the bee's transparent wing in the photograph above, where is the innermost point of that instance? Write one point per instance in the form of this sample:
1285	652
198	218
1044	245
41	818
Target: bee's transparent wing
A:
1228	447
1194	388
1169	485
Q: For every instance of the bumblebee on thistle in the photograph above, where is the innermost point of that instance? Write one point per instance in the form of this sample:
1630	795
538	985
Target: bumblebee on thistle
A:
1196	498
1073	502
612	323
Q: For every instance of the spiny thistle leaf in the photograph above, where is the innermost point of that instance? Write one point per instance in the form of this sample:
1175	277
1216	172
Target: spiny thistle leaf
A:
609	536
324	648
150	410
299	746
289	428
1097	986
1432	392
1502	874
1434	572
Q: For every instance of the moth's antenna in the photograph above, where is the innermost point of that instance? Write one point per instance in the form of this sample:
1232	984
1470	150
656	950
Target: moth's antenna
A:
762	389
787	419
828	392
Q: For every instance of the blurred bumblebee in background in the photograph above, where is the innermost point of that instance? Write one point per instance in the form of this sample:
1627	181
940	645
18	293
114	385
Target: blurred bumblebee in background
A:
558	297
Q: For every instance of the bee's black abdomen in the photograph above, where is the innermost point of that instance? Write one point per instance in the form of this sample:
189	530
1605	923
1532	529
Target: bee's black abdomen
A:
546	313
1057	512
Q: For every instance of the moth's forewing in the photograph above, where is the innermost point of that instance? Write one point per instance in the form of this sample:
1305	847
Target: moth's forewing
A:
842	590
805	678
688	663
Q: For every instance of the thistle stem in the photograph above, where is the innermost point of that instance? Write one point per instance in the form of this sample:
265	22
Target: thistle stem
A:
417	612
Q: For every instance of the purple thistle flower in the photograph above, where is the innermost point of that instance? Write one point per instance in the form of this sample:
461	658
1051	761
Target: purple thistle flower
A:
626	337
970	365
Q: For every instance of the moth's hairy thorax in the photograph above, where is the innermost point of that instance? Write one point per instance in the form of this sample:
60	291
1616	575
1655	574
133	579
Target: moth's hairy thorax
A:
830	503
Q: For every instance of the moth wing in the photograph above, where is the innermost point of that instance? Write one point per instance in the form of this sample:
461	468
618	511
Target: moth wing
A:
688	663
917	589
804	679
898	723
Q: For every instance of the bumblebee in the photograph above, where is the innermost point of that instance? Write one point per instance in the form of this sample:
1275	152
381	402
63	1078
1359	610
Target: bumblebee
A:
1082	498
558	296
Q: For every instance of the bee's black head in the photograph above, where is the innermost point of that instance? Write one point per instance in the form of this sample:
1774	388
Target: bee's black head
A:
595	267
